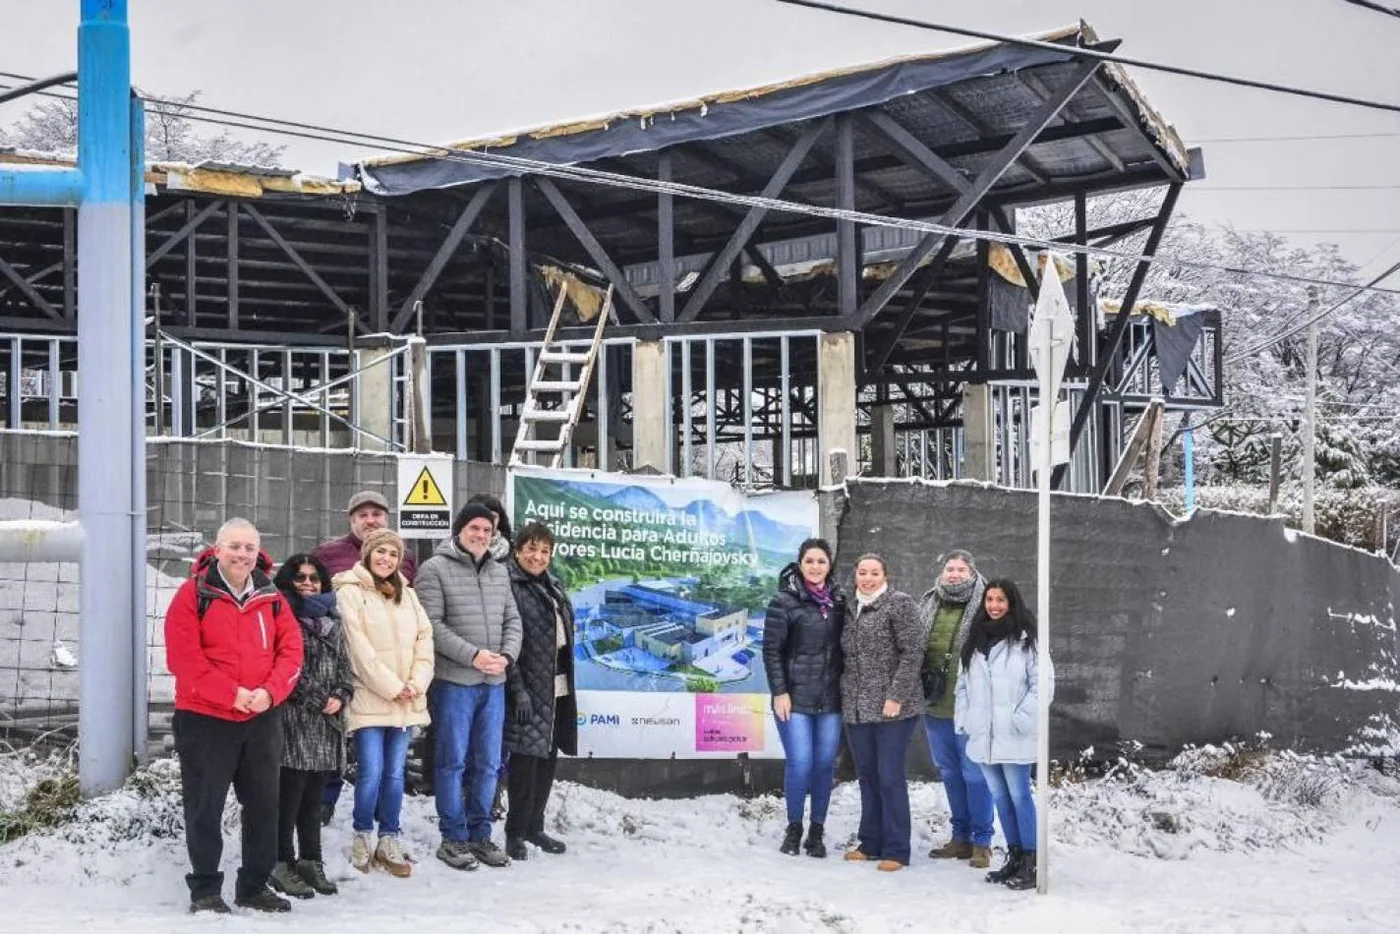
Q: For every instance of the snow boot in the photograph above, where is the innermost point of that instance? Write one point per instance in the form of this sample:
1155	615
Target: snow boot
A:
889	865
264	899
1008	868
516	849
313	873
214	904
362	850
489	854
792	840
288	881
857	855
545	842
815	845
1025	873
391	856
953	849
456	854
981	857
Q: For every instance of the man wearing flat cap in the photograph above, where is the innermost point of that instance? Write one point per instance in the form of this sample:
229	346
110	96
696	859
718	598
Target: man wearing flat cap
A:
367	512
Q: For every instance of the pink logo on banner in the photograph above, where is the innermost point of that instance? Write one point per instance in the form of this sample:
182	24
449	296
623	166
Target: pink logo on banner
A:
731	723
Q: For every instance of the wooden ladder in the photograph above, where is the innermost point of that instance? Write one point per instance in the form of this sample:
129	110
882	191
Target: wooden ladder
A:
553	380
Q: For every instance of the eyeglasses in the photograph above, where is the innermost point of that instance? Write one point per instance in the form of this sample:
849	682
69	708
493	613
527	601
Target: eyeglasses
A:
307	579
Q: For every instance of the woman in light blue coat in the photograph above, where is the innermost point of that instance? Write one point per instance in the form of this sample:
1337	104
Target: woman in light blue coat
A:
995	706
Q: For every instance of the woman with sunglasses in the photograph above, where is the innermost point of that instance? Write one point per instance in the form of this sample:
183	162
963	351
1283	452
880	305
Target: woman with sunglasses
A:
313	726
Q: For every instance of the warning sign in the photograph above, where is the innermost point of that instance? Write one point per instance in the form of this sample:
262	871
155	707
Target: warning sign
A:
425	496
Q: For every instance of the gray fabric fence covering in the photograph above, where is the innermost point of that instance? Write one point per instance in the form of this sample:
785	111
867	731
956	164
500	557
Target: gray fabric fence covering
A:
1166	632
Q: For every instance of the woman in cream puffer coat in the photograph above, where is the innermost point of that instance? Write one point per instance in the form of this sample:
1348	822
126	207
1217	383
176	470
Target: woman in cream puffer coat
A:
390	642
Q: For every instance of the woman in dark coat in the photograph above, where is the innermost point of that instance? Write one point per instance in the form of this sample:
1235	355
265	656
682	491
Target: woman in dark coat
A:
541	709
802	657
313	726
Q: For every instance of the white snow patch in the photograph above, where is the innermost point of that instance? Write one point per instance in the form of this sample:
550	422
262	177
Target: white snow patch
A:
1230	612
1136	852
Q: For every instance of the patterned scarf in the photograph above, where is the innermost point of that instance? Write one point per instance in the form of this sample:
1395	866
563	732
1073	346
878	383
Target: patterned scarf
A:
822	594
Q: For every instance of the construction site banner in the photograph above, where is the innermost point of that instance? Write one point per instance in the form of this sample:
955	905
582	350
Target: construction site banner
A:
669	580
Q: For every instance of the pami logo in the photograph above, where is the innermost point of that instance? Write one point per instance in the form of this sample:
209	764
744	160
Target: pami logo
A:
599	719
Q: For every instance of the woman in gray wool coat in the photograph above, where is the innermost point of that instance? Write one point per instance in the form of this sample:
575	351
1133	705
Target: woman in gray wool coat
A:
881	698
313	726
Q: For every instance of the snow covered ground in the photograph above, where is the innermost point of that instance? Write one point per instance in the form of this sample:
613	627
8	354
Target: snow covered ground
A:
1302	846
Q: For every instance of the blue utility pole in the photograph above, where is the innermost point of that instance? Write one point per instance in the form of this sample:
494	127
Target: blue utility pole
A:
107	187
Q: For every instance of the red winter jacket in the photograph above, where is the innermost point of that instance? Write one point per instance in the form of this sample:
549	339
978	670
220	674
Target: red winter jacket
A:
256	645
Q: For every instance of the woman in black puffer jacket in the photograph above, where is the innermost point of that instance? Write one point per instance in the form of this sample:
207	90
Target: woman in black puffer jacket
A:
802	656
541	710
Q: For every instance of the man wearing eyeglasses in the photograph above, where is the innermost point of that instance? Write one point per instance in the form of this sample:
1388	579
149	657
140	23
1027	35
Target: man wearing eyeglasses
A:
235	650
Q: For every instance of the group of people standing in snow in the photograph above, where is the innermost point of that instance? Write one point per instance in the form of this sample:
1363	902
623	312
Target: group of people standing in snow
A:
348	648
964	660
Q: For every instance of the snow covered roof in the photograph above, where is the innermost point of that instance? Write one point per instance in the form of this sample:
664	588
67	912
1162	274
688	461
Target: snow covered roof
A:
219	178
729	113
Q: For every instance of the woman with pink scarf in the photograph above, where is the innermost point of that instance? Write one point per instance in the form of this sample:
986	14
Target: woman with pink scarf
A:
802	656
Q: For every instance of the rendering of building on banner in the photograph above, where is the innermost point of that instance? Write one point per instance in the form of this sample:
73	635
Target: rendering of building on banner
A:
669	581
736	343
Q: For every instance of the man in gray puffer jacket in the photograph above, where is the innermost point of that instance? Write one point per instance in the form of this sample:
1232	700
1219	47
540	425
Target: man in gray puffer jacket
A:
476	635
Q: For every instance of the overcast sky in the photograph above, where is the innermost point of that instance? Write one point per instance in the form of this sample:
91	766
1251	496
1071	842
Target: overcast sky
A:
438	70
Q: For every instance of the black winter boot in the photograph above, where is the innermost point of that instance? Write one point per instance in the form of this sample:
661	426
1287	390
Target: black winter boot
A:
1025	873
1008	868
792	840
815	845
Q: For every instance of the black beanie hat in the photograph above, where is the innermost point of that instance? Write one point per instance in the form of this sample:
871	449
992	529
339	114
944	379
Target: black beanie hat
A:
469	512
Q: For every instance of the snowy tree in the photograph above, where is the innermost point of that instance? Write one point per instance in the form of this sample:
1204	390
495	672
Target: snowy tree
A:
171	134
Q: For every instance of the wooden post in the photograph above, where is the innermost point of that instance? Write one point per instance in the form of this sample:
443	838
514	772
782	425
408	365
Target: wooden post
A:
1152	469
1275	469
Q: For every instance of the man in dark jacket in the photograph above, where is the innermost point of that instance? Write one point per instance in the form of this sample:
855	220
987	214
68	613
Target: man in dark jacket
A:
235	651
476	636
367	512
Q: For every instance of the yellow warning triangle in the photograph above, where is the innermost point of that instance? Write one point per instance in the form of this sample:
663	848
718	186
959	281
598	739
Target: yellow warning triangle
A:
425	491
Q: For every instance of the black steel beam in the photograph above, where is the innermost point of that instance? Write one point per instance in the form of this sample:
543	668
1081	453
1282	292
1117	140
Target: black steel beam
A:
443	255
1108	351
1130	120
594	249
296	258
515	212
70	264
707	284
379	271
911	308
970	198
231	258
191	222
847	254
666	243
650	331
35	299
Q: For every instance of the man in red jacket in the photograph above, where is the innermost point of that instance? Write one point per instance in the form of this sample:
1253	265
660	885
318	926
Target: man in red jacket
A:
234	648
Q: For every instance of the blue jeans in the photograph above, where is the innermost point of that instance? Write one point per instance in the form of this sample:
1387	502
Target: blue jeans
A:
969	801
1010	785
381	751
879	750
810	742
468	722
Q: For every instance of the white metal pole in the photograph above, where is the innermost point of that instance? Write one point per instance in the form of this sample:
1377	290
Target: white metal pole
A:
1310	418
1042	594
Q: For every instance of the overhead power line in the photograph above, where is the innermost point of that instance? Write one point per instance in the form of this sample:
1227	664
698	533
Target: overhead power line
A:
1375	7
1095	55
1300	138
580	174
1280	338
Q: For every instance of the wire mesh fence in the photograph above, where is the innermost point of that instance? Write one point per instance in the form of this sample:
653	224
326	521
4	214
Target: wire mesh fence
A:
295	496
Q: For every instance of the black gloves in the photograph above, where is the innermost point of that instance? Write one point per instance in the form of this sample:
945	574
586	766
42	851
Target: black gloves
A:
524	709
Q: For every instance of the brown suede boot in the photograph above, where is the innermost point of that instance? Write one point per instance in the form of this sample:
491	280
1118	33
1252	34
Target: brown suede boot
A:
981	857
953	849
